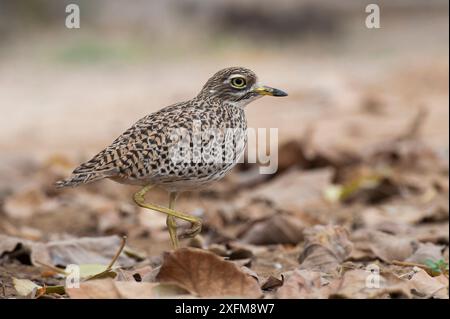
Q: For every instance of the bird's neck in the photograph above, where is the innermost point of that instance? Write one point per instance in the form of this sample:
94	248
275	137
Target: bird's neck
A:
211	101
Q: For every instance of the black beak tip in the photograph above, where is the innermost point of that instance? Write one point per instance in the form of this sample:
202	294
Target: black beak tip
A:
277	92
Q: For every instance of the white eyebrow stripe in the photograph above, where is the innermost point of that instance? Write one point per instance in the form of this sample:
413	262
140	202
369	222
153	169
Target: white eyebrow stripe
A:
236	76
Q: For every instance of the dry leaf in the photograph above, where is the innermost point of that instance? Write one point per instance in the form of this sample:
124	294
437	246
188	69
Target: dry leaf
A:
95	289
306	284
365	284
135	290
204	274
85	250
133	274
326	247
111	289
433	232
279	229
25	287
295	190
389	247
425	252
427	286
272	283
372	217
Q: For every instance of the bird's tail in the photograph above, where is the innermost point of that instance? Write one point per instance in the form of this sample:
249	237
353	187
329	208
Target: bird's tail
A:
77	179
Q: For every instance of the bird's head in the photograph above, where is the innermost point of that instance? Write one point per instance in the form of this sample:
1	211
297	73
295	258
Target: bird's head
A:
237	86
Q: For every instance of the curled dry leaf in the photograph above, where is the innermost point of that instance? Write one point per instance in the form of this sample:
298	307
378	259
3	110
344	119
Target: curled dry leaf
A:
429	287
306	284
9	244
238	250
86	250
389	247
272	283
278	229
326	247
204	274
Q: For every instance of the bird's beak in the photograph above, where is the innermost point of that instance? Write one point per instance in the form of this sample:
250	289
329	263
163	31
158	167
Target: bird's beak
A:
267	90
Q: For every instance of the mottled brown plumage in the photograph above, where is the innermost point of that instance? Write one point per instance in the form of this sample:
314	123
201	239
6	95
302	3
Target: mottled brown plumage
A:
142	154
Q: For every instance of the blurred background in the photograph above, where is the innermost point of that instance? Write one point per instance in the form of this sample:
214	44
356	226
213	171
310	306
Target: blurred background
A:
73	90
67	93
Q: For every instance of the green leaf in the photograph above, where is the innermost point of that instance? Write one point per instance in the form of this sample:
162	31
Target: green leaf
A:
430	263
437	267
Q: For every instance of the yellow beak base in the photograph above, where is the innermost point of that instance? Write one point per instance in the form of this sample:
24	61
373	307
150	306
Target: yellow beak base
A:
267	90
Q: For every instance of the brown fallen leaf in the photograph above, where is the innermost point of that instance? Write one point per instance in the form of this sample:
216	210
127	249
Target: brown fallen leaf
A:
85	250
429	287
111	289
96	289
206	275
326	247
432	232
295	190
141	290
389	247
255	209
279	229
306	284
364	284
426	251
372	217
134	274
272	283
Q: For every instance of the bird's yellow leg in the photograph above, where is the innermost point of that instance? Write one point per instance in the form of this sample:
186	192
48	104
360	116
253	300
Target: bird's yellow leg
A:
196	223
170	221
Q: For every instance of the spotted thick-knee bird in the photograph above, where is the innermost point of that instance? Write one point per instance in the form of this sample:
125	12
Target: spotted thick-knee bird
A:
182	146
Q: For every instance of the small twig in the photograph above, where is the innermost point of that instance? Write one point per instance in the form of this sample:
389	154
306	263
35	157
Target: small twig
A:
116	256
409	264
55	269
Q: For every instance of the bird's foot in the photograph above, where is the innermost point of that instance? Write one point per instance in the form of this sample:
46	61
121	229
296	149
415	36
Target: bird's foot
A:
196	228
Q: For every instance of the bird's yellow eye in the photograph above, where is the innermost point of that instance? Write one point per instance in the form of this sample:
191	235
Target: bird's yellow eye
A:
238	82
